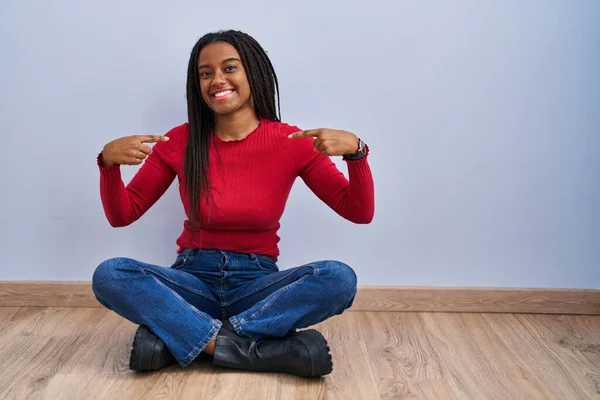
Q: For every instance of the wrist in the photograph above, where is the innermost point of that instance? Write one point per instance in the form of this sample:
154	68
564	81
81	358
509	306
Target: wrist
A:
103	162
356	148
362	151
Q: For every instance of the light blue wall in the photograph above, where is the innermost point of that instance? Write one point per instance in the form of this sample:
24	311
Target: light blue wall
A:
483	119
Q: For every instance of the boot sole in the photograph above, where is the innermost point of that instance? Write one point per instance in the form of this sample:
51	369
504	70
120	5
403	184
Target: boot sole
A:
146	352
318	349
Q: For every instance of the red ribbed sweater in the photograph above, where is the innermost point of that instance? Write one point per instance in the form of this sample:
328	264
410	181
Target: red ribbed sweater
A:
251	181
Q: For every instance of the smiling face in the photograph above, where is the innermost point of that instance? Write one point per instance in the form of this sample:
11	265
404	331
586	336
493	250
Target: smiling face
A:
223	82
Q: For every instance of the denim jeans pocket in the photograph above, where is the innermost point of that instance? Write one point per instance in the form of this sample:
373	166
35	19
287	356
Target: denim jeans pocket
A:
265	263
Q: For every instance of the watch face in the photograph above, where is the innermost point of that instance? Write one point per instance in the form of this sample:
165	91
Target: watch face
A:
362	147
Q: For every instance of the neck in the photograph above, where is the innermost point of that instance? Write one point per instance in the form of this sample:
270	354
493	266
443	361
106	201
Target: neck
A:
236	126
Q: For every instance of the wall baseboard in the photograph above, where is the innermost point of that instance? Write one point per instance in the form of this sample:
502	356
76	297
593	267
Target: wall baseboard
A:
480	300
369	298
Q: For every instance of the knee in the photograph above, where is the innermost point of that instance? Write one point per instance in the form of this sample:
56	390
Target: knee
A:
343	279
106	277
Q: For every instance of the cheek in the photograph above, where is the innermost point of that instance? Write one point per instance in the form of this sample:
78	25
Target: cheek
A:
244	86
204	91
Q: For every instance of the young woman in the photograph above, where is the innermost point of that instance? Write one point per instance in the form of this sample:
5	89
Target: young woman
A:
236	164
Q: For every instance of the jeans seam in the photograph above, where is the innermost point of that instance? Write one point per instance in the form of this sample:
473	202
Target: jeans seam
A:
216	325
198	349
277	294
194	309
237	327
233	301
176	283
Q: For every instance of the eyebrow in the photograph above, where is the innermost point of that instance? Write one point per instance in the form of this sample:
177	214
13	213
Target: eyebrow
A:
222	62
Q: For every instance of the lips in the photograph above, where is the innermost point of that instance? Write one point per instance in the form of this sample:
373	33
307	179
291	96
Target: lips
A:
222	94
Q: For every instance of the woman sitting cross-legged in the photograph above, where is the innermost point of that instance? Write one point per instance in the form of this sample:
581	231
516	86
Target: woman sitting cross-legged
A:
236	163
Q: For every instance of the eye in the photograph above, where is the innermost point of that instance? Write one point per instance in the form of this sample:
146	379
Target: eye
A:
204	74
230	68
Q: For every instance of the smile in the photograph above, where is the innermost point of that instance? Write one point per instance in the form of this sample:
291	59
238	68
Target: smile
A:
219	96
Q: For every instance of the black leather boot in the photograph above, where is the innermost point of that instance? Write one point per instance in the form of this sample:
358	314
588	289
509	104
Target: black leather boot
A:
149	352
303	353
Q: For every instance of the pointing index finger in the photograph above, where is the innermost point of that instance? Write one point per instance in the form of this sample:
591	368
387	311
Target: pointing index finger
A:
153	138
304	134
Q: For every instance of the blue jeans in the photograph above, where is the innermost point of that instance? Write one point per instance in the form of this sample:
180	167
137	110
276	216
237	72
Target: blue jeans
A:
186	303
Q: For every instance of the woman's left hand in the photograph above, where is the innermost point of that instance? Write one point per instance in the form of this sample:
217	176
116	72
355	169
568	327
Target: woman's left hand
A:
330	142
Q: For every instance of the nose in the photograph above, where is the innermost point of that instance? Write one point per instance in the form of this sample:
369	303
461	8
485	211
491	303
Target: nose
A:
218	79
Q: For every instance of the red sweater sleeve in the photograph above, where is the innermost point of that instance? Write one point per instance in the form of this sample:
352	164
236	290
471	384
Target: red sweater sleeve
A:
353	198
124	205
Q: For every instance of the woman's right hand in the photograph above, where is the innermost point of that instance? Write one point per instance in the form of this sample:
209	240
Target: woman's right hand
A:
129	150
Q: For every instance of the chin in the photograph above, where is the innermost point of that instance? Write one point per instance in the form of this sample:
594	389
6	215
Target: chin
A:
223	110
226	108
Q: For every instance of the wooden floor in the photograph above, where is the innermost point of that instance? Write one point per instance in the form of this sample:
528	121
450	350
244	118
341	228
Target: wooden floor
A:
82	353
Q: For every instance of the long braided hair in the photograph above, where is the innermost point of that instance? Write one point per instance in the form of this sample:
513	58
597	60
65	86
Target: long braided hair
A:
264	87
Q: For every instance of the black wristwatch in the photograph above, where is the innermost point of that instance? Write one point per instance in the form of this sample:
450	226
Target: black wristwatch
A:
362	151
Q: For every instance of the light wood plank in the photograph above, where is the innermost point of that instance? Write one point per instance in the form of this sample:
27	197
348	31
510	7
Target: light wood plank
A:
68	353
475	360
404	360
85	386
342	327
29	363
536	361
24	321
6	315
564	345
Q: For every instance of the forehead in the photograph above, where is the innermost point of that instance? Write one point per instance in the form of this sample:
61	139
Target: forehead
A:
216	53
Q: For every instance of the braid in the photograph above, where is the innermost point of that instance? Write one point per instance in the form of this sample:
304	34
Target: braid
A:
264	87
262	69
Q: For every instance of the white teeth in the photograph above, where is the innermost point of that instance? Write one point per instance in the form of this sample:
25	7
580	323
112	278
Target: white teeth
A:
225	93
